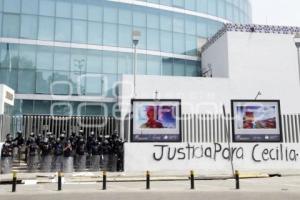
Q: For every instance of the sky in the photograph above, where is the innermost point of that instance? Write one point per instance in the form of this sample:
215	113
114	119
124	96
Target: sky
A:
276	12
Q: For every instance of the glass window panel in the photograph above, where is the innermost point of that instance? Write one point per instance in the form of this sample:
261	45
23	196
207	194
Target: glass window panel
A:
153	65
63	9
43	81
78	60
30	6
27	56
125	36
178	43
191	45
139	19
44	58
9	77
65	25
28	27
0	23
167	66
94	84
9	55
178	24
143	38
153	39
191	68
79	31
190	26
166	2
94	61
42	107
94	110
153	21
202	29
111	81
62	108
153	1
110	14
125	63
27	107
46	28
221	8
179	3
110	62
62	59
166	41
236	16
11	25
178	67
26	81
95	13
47	7
166	23
94	33
110	34
190	4
78	83
12	6
212	7
202	6
60	80
229	11
79	10
125	17
141	64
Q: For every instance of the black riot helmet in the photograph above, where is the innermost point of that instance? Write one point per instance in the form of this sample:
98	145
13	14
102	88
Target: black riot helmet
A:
31	134
9	137
62	136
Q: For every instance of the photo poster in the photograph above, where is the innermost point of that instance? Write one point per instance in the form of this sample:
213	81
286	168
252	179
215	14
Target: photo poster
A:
155	120
256	121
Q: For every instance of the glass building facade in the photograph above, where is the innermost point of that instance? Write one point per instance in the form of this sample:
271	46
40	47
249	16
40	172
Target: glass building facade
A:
77	50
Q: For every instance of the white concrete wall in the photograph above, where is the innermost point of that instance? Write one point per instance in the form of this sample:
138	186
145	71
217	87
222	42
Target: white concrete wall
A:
3	99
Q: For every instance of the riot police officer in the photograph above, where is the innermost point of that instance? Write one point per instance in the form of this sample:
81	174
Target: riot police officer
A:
113	156
80	155
32	153
46	155
119	148
58	155
18	143
68	157
90	141
96	151
106	150
6	155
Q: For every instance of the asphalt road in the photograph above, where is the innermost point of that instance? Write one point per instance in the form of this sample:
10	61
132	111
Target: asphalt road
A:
287	188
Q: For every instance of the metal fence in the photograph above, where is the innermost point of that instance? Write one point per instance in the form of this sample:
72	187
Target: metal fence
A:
5	126
57	124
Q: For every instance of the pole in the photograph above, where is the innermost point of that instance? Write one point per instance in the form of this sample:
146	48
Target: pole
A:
59	181
104	181
14	182
237	180
134	71
192	180
147	180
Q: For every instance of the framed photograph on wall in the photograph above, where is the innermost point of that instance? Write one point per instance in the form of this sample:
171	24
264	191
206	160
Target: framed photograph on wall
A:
155	120
256	121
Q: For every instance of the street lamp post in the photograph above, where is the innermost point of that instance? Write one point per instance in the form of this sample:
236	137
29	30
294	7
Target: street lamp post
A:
297	42
135	40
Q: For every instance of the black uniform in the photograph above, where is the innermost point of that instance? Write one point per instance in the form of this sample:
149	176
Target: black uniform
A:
80	155
46	155
18	144
96	151
58	155
6	155
68	157
32	153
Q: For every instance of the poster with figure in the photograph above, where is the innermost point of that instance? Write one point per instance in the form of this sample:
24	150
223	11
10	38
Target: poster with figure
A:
155	121
256	121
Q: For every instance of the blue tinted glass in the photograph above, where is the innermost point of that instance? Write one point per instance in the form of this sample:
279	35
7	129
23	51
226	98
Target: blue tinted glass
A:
44	59
42	107
212	7
166	41
26	81
153	21
30	6
79	31
79	11
125	34
110	34
63	9
179	3
125	63
94	61
139	19
95	13
9	77
110	14
110	62
94	33
11	25
202	6
141	64
111	80
153	39
229	11
143	38
60	84
47	7
221	8
78	60
12	6
166	23
94	84
153	1
191	45
65	25
191	68
178	24
153	65
178	67
178	43
28	26
190	26
125	17
27	56
46	28
190	4
62	59
202	28
166	2
1	23
27	106
167	66
9	55
236	16
78	83
43	81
